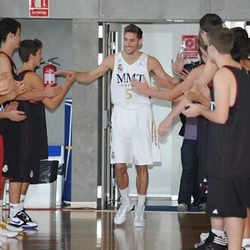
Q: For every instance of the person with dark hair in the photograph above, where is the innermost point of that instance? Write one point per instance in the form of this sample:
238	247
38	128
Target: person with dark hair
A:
240	53
33	133
10	33
228	172
208	21
133	135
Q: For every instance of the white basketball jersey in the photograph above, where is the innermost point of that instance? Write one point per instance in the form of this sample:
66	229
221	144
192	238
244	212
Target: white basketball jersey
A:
121	92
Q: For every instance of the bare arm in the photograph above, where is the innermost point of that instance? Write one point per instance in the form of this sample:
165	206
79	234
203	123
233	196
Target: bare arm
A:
155	67
166	123
54	102
224	92
90	76
173	93
40	93
34	84
207	74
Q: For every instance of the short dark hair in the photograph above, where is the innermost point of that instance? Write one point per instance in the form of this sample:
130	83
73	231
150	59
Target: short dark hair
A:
241	47
209	21
222	39
133	29
29	47
8	25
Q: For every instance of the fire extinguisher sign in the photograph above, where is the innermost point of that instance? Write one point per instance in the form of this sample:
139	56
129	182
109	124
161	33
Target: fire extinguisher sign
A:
39	8
190	46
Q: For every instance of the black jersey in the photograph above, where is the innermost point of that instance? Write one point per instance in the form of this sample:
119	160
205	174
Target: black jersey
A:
229	143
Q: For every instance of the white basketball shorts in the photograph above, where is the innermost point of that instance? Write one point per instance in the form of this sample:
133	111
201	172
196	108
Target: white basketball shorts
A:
134	137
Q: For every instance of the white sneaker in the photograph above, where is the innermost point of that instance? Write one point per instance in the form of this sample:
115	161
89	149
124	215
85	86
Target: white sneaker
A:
121	214
139	220
4	232
11	228
246	244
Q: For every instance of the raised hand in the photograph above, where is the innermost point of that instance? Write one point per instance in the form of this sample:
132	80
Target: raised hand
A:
178	64
63	72
71	76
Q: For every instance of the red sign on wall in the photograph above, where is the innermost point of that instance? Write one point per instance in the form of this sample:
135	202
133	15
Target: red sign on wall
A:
38	8
190	46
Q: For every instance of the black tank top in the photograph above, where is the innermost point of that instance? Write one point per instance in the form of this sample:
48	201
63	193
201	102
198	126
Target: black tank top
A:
229	143
34	143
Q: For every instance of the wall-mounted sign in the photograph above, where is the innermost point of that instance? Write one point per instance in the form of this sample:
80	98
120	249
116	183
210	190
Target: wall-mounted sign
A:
39	8
190	46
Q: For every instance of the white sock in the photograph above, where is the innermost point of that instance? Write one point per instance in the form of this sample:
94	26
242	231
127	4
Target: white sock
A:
1	209
219	233
14	209
246	242
125	195
22	198
141	200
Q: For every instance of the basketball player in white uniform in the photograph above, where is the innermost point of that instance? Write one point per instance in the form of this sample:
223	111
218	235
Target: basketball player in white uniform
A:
132	137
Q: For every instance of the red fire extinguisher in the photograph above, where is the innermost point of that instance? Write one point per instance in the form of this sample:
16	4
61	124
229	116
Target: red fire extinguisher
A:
49	70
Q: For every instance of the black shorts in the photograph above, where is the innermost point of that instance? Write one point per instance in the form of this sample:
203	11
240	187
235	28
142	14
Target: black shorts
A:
228	198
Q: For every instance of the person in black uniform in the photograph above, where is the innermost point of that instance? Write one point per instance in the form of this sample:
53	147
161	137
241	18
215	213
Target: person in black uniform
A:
33	132
228	165
10	33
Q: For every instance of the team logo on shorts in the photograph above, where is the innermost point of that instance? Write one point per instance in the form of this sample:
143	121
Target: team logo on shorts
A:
119	67
5	168
31	174
113	155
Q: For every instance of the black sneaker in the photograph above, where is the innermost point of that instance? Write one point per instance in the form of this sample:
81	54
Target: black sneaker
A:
28	217
22	220
212	242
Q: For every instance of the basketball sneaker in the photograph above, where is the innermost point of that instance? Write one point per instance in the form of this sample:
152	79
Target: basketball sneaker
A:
4	232
212	241
11	228
21	219
121	214
139	220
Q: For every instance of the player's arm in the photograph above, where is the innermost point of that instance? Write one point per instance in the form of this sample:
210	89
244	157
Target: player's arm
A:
207	74
223	100
90	76
54	102
172	94
34	82
155	67
36	90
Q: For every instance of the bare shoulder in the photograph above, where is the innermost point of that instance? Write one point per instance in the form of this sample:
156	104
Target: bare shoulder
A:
33	81
224	76
4	63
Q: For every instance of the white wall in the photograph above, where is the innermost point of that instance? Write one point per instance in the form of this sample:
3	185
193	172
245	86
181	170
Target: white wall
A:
164	41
